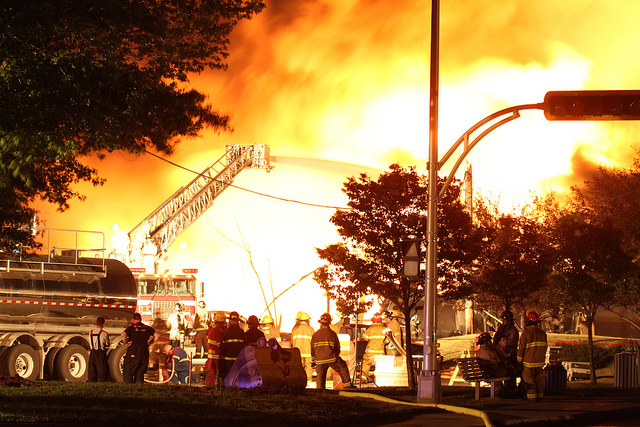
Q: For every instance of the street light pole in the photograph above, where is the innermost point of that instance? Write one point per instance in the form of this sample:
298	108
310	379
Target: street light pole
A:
429	379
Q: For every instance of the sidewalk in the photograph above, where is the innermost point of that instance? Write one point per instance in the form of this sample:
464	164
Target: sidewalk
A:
560	410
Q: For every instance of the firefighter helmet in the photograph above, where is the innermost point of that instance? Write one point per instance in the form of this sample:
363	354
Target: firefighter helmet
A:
267	319
234	317
219	317
253	321
201	304
325	319
177	307
532	315
506	315
302	316
483	338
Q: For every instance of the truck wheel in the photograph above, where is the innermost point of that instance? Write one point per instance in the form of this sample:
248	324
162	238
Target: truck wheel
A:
72	364
21	360
116	360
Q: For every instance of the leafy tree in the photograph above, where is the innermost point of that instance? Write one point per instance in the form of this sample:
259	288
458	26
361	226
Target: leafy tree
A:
79	78
591	268
516	257
368	261
610	198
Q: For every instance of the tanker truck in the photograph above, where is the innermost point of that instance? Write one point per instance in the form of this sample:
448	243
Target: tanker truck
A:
48	304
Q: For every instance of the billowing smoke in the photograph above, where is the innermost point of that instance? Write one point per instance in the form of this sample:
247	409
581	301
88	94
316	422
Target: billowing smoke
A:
345	82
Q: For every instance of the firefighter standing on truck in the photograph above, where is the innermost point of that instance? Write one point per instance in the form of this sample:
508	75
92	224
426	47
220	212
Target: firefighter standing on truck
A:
215	335
232	344
375	345
325	353
532	350
201	326
301	339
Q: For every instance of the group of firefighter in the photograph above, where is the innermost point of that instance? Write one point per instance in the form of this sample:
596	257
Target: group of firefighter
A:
511	355
319	349
222	338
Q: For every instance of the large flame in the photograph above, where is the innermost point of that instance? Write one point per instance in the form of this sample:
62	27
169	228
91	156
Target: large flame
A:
341	87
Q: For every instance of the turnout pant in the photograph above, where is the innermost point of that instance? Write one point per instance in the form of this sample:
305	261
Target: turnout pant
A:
340	366
535	382
98	366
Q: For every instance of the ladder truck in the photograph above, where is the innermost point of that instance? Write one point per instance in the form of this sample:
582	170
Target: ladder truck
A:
152	237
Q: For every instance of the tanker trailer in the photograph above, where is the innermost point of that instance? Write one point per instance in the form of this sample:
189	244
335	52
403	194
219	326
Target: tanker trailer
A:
49	303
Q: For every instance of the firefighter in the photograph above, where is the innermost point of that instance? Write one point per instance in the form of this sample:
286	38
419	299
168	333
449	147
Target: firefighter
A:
178	361
375	345
253	334
232	344
201	326
177	325
532	350
98	360
510	363
215	335
394	326
301	339
508	329
269	330
325	354
138	337
490	360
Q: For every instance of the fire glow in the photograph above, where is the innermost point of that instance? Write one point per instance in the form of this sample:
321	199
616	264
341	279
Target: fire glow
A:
341	87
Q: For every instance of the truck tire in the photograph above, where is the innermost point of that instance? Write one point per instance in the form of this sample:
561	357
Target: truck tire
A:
21	360
50	364
72	364
116	360
2	350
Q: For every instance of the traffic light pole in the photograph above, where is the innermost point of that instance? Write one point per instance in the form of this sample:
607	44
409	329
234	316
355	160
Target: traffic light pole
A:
429	379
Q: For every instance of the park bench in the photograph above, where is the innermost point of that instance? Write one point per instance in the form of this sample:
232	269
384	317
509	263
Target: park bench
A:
469	368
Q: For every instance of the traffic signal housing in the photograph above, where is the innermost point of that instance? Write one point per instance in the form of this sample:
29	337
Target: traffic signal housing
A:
592	105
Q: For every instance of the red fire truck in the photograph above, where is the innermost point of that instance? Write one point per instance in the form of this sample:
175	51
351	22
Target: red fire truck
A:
159	293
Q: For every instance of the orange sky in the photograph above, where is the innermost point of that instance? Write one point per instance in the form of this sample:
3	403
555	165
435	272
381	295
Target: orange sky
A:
339	87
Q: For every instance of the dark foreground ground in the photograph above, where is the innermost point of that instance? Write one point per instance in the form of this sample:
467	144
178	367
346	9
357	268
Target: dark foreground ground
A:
122	405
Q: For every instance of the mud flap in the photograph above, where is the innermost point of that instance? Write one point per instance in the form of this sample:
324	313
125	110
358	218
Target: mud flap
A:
263	367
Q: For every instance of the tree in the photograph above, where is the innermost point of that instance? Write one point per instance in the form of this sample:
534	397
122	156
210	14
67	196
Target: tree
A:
82	78
609	198
591	269
368	261
516	257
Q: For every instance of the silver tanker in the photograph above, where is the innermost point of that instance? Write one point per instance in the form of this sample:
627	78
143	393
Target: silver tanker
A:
48	304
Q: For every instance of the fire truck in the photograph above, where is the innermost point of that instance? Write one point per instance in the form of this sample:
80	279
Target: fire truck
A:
158	293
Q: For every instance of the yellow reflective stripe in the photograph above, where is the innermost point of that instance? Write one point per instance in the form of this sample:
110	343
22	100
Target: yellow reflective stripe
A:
533	364
536	344
322	343
214	342
323	361
381	337
374	351
230	358
234	340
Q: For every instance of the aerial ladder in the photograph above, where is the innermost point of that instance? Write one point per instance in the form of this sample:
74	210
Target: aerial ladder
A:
151	238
